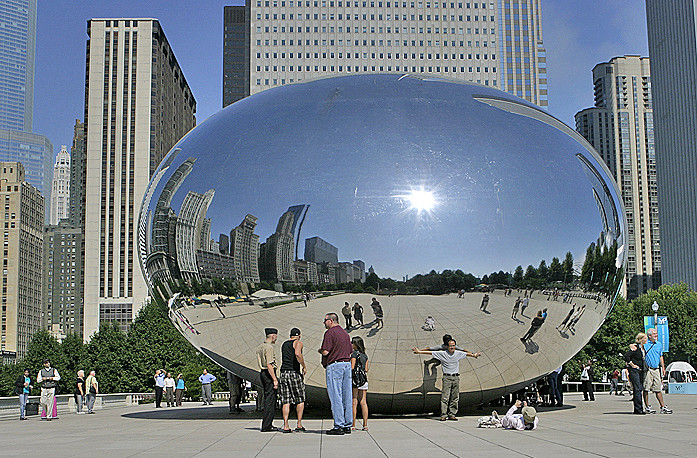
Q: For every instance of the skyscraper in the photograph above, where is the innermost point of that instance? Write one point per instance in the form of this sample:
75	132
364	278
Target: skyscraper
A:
299	213
17	142
318	251
277	254
137	105
64	252
244	248
60	187
271	43
188	233
22	258
672	29
620	128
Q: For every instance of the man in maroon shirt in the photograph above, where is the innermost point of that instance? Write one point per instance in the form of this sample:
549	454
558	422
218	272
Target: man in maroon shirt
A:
336	358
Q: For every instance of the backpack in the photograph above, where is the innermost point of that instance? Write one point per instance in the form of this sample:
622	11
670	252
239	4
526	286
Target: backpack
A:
358	375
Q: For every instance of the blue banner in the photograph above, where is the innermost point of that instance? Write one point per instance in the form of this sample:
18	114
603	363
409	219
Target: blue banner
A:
661	328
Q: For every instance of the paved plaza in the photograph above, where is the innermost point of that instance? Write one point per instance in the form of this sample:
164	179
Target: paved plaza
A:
601	428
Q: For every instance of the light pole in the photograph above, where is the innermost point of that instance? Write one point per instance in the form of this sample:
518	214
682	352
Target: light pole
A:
654	307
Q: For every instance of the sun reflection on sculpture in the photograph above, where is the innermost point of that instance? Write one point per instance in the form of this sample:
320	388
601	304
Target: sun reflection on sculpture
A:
421	200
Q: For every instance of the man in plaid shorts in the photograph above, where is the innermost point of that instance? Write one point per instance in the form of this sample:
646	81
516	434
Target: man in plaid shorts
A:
292	384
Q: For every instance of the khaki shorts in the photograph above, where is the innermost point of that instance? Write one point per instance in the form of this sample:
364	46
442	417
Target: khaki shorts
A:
652	381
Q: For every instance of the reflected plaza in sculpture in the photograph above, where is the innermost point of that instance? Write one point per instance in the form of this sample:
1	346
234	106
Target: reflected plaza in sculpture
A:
402	173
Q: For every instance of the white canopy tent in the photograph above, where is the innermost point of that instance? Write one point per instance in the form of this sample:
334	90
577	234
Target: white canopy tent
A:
680	372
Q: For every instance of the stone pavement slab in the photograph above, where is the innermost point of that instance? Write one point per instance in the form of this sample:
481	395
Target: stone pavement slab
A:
602	428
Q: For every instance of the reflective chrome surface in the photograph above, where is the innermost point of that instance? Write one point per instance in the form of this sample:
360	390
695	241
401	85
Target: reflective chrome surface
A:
407	175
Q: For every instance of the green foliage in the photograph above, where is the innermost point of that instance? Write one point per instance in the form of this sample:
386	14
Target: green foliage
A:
8	375
626	320
518	276
123	362
438	283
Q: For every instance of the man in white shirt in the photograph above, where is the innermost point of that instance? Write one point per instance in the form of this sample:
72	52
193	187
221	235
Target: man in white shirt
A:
48	377
526	419
450	392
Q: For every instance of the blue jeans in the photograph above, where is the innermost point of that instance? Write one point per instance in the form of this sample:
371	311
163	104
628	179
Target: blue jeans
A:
23	404
340	393
554	392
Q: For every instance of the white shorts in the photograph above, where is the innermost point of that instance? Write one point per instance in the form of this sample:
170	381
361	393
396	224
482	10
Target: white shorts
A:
363	387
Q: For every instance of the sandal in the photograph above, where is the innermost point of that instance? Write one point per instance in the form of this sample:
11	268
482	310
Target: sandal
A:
301	429
285	431
365	428
353	428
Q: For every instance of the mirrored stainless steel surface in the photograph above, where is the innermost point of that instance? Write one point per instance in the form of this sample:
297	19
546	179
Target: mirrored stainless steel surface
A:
408	175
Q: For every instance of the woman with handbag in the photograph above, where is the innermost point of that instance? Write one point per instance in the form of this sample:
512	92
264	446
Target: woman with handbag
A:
359	375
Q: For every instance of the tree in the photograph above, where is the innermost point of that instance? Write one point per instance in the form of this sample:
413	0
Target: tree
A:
588	265
679	304
622	324
556	273
543	272
108	355
530	274
568	267
372	280
74	351
518	276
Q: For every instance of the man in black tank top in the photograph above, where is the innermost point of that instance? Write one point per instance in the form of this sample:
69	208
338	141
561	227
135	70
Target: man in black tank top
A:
292	385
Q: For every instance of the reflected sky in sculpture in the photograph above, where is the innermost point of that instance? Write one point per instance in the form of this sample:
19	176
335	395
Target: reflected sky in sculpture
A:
406	174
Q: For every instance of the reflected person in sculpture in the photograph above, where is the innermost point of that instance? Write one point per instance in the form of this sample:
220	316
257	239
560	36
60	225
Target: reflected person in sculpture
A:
450	393
336	358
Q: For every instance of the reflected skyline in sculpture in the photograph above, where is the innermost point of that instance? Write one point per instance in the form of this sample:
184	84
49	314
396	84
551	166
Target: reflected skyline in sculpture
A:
431	183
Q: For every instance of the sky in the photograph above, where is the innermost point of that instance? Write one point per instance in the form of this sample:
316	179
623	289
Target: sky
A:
577	36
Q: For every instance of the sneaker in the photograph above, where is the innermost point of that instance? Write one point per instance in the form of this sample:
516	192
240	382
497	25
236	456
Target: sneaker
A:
649	410
494	415
347	430
665	409
335	432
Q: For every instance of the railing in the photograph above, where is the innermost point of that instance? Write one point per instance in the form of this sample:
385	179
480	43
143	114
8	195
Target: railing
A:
9	406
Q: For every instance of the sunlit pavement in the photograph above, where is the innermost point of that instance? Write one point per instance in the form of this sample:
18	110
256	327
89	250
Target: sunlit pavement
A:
605	427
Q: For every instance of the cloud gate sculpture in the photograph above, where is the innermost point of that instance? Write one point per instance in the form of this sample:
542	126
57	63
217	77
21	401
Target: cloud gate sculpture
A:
358	179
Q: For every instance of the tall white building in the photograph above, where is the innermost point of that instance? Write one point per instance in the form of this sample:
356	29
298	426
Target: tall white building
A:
620	128
672	30
269	43
60	188
137	106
